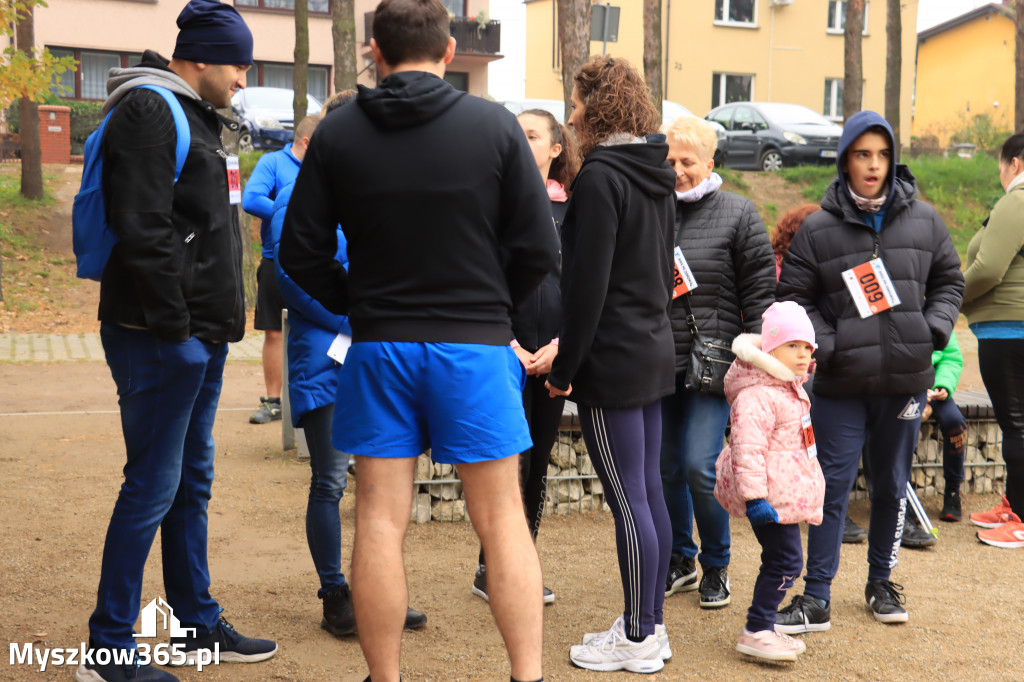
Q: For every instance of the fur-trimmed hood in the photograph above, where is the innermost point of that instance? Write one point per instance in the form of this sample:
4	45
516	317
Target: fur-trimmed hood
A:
754	367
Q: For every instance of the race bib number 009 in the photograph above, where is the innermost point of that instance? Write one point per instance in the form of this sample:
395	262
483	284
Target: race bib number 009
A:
871	288
683	281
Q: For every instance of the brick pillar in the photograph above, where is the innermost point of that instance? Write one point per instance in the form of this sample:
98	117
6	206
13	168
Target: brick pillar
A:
55	134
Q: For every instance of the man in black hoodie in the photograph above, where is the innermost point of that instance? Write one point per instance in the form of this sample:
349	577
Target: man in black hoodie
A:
448	226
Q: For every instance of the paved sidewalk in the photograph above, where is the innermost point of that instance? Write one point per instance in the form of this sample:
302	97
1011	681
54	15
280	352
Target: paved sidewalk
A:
87	348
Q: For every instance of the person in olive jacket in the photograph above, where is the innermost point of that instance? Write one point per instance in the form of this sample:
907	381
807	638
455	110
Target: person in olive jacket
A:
874	353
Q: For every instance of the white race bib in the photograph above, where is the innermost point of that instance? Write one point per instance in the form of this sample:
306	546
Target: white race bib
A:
871	288
683	280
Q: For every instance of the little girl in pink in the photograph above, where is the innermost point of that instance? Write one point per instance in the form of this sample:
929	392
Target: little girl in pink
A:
769	472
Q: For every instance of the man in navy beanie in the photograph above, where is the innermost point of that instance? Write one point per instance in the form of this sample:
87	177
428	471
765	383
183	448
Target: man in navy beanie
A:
170	301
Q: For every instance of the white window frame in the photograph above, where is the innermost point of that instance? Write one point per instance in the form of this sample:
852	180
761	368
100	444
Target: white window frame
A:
725	21
833	88
841	15
721	86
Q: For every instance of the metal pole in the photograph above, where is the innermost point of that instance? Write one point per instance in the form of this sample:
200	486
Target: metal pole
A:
604	35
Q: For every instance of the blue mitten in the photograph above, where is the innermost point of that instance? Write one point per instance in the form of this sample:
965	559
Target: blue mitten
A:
760	512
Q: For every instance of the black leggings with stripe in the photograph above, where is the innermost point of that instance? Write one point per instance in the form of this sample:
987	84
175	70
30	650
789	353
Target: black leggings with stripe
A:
625	449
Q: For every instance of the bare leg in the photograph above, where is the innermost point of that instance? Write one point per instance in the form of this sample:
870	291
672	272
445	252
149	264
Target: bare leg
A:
514	583
379	592
272	361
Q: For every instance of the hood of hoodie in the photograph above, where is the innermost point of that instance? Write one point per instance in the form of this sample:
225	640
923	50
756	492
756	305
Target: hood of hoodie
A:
407	98
754	367
152	70
856	126
644	164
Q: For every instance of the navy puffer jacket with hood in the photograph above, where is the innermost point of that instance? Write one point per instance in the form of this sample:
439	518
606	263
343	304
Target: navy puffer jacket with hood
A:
888	353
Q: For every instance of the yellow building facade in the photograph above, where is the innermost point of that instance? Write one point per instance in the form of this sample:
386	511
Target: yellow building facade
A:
965	69
728	50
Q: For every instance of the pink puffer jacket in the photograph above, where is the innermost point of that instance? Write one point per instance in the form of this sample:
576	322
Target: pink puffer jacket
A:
766	457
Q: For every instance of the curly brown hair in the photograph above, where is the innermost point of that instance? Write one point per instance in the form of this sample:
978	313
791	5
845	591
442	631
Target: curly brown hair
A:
615	100
564	166
785	229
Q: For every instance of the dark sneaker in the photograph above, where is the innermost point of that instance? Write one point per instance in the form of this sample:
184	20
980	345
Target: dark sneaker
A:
268	411
951	506
916	537
414	620
714	587
682	575
852	533
233	646
118	672
480	586
886	601
804	614
339	615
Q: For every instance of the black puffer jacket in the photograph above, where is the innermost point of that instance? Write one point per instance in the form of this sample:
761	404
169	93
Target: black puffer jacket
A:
888	353
727	248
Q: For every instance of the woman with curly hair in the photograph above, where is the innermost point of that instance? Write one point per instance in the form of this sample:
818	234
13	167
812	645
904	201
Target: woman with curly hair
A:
785	230
615	351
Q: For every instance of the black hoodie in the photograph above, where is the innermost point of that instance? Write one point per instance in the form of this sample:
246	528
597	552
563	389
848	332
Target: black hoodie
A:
447	219
615	346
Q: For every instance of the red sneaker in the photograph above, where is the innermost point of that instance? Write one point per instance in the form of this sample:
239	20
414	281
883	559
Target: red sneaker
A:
996	516
1009	535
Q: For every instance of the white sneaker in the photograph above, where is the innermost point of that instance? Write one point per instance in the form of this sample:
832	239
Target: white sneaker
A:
612	650
619	625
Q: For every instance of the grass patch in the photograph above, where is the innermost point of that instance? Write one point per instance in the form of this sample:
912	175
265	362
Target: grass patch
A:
10	193
814	179
732	181
246	162
771	211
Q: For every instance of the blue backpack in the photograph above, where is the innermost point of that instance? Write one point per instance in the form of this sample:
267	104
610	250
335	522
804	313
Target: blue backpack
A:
92	235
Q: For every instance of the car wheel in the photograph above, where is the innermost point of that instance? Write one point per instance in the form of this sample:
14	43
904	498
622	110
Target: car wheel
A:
771	160
244	141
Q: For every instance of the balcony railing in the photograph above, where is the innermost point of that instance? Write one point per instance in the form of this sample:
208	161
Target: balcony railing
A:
471	36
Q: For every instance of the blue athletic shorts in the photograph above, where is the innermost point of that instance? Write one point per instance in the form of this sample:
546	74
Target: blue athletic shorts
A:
463	401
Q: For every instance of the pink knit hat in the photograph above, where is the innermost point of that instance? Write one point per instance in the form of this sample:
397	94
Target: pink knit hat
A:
783	322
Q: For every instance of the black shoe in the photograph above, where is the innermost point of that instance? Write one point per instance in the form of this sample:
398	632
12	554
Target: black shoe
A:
804	614
951	506
852	533
714	587
118	672
339	615
234	647
886	601
480	586
916	537
682	575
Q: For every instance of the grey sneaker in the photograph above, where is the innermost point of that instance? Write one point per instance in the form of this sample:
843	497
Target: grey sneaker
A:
268	411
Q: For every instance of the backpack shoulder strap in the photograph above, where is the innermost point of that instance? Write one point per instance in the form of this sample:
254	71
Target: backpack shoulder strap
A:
180	124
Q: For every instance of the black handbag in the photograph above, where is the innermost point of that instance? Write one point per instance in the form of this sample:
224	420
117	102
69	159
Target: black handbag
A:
710	359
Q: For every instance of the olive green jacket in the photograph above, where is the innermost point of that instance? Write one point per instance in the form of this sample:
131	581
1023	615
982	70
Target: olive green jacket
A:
995	267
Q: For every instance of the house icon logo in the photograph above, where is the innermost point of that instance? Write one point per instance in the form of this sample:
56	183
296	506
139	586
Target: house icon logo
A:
160	609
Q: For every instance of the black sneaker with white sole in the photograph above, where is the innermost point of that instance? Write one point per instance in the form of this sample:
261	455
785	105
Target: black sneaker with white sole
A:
480	586
714	587
117	670
916	537
233	647
804	614
886	601
682	575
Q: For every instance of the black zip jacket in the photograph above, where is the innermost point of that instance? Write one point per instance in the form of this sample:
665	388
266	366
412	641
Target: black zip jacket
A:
727	248
177	270
535	321
447	220
615	346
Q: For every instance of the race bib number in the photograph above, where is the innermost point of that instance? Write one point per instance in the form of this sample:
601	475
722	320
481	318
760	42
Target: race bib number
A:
808	431
683	281
871	288
339	348
234	180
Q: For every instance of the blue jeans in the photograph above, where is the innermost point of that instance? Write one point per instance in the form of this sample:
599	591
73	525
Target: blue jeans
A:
326	486
168	395
692	437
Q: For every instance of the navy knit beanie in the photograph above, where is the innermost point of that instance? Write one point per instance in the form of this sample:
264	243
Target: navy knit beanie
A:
213	32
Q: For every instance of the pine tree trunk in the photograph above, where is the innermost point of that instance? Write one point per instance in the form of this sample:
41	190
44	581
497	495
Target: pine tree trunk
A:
853	78
301	69
1018	90
893	70
31	151
652	50
574	38
343	32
